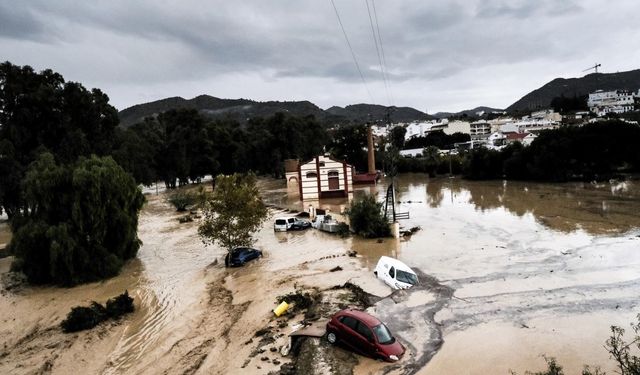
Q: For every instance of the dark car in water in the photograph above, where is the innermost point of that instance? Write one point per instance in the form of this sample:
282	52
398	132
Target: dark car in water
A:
364	334
300	224
241	255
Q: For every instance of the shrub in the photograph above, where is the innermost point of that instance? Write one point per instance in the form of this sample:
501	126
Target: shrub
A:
83	317
120	305
182	200
367	219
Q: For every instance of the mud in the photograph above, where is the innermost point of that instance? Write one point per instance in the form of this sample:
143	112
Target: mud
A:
509	271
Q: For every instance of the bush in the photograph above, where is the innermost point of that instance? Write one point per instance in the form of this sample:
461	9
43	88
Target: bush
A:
182	200
367	219
120	305
82	317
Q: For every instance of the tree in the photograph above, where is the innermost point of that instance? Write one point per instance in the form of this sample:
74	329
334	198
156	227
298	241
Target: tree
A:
367	219
41	112
349	143
233	213
396	136
81	222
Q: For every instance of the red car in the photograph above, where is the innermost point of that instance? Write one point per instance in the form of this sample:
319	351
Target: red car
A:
364	334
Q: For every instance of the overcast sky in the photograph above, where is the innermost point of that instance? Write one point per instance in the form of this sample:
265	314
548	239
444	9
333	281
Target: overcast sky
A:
440	55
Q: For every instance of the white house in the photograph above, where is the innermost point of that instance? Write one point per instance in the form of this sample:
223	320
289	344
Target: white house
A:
617	101
322	177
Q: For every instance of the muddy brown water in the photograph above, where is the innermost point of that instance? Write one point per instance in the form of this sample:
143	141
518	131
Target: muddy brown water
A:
536	269
520	270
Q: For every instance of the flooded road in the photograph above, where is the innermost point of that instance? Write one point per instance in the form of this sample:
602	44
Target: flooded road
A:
510	271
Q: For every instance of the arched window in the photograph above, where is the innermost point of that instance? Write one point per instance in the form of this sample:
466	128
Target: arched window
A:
312	175
333	174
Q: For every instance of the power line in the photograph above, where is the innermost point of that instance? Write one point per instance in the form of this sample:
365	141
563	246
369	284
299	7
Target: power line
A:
375	42
384	60
355	60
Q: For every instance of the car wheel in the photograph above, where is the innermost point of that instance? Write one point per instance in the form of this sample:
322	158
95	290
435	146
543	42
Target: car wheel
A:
332	338
226	260
375	273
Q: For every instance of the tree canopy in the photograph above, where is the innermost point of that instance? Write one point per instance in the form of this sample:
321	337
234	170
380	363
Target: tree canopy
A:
81	223
233	213
40	112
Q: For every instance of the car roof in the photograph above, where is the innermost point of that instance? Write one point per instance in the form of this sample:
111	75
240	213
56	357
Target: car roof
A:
369	320
284	217
396	263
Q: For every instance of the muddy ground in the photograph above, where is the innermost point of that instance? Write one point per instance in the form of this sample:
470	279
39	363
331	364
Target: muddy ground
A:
509	272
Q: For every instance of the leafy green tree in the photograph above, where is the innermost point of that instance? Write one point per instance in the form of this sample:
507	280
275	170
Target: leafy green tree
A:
367	219
233	213
396	136
81	222
349	143
41	112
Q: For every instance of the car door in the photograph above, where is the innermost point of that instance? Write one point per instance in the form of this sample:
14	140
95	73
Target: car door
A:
366	342
349	334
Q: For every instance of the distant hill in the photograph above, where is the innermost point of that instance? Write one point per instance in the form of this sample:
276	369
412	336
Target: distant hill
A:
238	109
468	112
372	112
243	109
541	98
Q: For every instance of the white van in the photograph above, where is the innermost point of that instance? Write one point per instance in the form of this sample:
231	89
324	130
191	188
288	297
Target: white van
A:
282	224
395	273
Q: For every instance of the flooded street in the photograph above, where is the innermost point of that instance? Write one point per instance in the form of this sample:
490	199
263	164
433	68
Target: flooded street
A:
509	271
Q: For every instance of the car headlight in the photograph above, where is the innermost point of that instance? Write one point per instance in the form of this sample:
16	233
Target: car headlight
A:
393	357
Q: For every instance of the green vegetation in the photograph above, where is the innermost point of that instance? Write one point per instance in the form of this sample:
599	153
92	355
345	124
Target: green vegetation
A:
233	213
592	152
81	224
81	317
182	199
179	146
40	112
367	219
573	103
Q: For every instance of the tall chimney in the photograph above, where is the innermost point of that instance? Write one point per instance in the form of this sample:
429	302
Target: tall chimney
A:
371	155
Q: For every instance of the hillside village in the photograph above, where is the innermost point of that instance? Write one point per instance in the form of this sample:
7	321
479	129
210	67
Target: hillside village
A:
497	129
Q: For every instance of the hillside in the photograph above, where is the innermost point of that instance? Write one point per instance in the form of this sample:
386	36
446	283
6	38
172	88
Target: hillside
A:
243	109
468	112
238	109
541	98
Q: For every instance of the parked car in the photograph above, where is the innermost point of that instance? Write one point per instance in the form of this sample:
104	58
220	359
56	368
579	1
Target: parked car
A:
300	224
395	273
241	255
364	334
282	224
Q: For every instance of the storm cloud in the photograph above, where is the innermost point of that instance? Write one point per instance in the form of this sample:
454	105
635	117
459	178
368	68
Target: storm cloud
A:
440	55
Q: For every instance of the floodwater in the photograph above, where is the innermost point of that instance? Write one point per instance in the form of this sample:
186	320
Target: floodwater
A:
510	271
535	269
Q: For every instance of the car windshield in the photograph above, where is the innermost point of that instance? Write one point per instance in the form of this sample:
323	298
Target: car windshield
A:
382	333
407	277
281	222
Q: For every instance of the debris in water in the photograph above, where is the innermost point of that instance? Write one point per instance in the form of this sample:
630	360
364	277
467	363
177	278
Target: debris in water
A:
352	253
336	268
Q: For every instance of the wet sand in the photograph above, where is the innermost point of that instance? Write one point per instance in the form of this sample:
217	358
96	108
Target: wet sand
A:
510	271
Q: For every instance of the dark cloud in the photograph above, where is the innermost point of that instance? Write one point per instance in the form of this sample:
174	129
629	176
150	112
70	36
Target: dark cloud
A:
435	50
